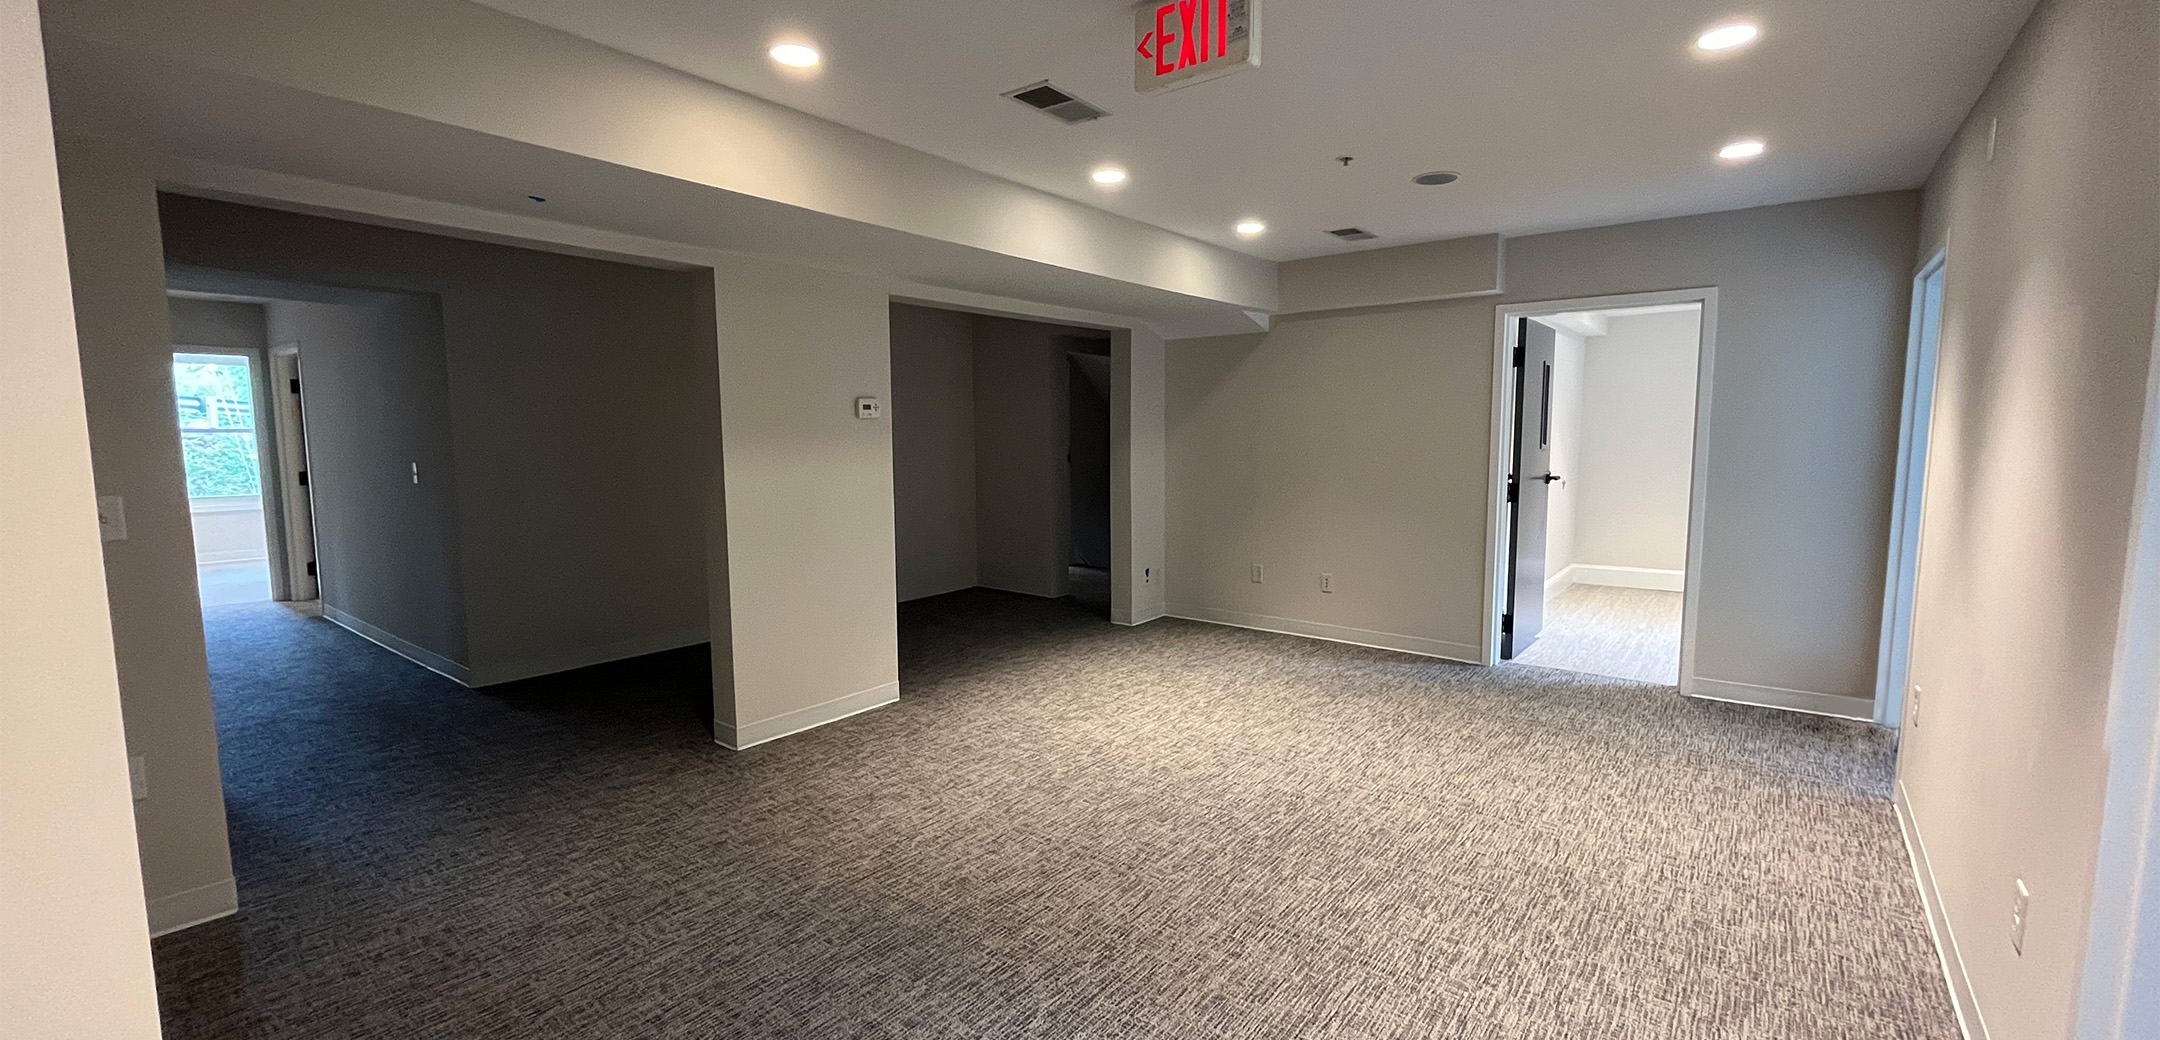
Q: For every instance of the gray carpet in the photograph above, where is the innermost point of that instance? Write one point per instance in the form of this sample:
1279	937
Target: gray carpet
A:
1064	829
1614	632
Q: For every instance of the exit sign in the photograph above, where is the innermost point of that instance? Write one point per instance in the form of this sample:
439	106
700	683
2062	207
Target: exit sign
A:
1186	41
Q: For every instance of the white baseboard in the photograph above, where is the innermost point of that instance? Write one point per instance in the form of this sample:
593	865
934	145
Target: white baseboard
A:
230	556
1953	963
1559	580
1808	701
193	907
1653	578
738	738
1420	645
1142	616
570	660
419	655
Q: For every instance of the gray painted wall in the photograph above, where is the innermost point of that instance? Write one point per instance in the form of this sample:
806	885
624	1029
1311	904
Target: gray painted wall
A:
376	395
125	332
2040	396
1088	447
217	323
1020	483
575	425
1356	443
933	431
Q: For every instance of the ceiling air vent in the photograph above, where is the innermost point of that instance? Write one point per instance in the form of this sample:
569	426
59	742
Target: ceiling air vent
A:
1056	103
1353	234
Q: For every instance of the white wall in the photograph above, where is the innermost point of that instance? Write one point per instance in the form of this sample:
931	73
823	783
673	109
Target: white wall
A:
228	529
933	432
808	528
75	952
2047	339
1355	443
1637	442
1567	452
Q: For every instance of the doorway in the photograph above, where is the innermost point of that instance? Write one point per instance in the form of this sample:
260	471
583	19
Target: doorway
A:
1909	493
1598	476
1087	462
217	395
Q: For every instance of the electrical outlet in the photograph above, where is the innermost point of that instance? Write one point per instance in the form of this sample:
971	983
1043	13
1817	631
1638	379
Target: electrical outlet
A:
416	473
2020	909
1913	716
138	777
112	518
1256	574
1994	131
1147	575
1327	583
868	408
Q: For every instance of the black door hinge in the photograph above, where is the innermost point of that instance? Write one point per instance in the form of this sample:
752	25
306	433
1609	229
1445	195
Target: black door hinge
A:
311	568
1521	354
1507	624
1511	489
303	479
296	384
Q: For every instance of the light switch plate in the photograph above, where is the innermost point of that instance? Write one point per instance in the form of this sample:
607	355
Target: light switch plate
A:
138	777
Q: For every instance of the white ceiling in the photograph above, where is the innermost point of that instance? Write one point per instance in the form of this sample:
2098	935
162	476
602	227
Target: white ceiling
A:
1558	113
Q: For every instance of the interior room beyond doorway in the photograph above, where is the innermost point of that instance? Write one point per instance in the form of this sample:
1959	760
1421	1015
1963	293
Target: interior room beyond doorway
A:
1599	525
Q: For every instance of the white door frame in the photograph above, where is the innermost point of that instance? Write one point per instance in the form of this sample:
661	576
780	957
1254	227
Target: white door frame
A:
1909	493
1501	440
266	447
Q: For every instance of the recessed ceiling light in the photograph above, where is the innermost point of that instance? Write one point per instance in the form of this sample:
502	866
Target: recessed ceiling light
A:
1249	228
1742	150
1108	175
1436	177
1728	36
795	55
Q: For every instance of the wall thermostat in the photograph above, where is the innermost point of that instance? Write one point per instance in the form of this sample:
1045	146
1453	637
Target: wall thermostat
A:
868	408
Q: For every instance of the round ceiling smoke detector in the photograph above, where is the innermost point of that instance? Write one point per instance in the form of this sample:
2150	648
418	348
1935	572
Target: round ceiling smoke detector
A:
1437	177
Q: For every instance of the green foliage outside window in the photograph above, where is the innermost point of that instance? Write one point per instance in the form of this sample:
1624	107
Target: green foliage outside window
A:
220	464
216	402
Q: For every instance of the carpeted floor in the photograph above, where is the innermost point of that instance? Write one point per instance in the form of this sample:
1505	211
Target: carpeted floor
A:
1064	829
1615	632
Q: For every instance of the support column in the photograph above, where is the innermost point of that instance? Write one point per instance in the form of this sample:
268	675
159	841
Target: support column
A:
74	942
1137	502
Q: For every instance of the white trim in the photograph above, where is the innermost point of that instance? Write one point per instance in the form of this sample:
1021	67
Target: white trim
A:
1835	705
586	657
419	655
211	559
743	738
1560	580
1420	645
1499	440
203	903
1908	496
1970	1024
1656	579
1119	616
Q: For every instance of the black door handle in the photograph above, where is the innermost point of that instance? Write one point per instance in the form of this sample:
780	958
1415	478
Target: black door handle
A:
1549	477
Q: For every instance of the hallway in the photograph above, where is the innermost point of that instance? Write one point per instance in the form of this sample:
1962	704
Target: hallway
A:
1179	830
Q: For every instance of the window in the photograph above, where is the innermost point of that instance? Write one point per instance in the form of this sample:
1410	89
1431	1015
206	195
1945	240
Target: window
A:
215	395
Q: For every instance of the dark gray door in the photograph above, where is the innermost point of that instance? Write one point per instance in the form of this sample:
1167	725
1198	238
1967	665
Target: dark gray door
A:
1529	488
